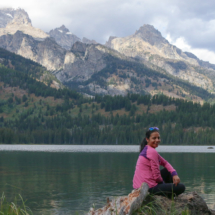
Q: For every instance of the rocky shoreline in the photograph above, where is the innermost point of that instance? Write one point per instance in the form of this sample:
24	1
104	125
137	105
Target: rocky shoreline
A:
140	202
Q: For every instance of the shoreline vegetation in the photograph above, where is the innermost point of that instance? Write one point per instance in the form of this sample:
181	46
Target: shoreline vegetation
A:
16	207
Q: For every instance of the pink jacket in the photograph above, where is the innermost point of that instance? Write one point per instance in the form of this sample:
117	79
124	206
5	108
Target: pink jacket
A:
147	168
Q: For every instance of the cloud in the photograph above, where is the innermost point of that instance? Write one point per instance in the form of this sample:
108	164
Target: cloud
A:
202	54
194	20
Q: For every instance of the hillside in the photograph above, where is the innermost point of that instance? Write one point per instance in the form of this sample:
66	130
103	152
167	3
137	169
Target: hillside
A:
120	77
99	94
28	67
144	63
34	112
83	68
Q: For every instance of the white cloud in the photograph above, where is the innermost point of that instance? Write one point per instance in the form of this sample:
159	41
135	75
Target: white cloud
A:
193	20
202	54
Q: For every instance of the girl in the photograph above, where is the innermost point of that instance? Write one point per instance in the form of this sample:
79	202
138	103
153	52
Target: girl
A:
164	182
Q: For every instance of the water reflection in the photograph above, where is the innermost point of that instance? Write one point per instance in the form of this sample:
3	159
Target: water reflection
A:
197	172
62	183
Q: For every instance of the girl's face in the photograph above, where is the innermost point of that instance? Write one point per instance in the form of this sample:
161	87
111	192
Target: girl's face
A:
153	140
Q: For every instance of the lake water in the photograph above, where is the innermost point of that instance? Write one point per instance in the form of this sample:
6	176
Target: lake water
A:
68	179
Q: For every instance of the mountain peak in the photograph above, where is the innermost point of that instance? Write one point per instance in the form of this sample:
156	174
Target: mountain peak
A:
148	28
150	35
21	18
63	29
13	20
10	15
64	37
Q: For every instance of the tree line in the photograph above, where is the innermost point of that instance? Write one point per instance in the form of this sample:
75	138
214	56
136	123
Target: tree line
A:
190	123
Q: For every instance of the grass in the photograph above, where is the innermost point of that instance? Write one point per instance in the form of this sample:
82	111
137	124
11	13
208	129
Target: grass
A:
154	205
12	208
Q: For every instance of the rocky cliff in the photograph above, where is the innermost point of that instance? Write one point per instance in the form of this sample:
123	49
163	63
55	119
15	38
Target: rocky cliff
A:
87	41
144	62
12	21
64	37
76	65
94	68
47	52
148	44
6	16
81	62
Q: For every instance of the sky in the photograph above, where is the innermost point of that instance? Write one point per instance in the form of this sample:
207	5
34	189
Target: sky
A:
188	24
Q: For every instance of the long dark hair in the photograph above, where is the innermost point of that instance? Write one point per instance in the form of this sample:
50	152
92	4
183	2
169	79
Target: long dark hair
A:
148	134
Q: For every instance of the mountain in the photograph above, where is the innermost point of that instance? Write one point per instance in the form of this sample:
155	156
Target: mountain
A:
36	108
34	112
18	20
144	63
46	52
64	37
6	16
147	44
28	67
95	68
80	62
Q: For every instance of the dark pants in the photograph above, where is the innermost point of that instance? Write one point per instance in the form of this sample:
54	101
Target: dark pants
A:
168	188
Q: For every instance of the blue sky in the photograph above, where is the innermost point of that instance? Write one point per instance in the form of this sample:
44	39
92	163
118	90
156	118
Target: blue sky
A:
190	25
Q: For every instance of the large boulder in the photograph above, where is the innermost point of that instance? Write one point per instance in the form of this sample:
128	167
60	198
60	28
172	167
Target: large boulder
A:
140	202
186	203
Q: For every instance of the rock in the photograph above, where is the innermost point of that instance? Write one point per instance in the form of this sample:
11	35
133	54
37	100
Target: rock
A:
90	67
6	16
210	147
87	41
139	200
108	43
48	53
64	37
12	21
148	44
79	47
194	202
21	18
149	34
191	203
123	205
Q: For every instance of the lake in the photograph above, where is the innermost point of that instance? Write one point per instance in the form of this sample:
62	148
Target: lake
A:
67	179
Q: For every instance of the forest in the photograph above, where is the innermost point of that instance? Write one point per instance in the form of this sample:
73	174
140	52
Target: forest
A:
32	112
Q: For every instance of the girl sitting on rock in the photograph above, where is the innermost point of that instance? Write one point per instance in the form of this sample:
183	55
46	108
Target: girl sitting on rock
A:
161	182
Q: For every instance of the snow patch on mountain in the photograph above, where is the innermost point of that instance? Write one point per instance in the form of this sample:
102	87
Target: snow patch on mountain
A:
9	15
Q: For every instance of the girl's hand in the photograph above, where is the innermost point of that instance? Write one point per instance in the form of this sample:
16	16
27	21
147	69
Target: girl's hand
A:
176	180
